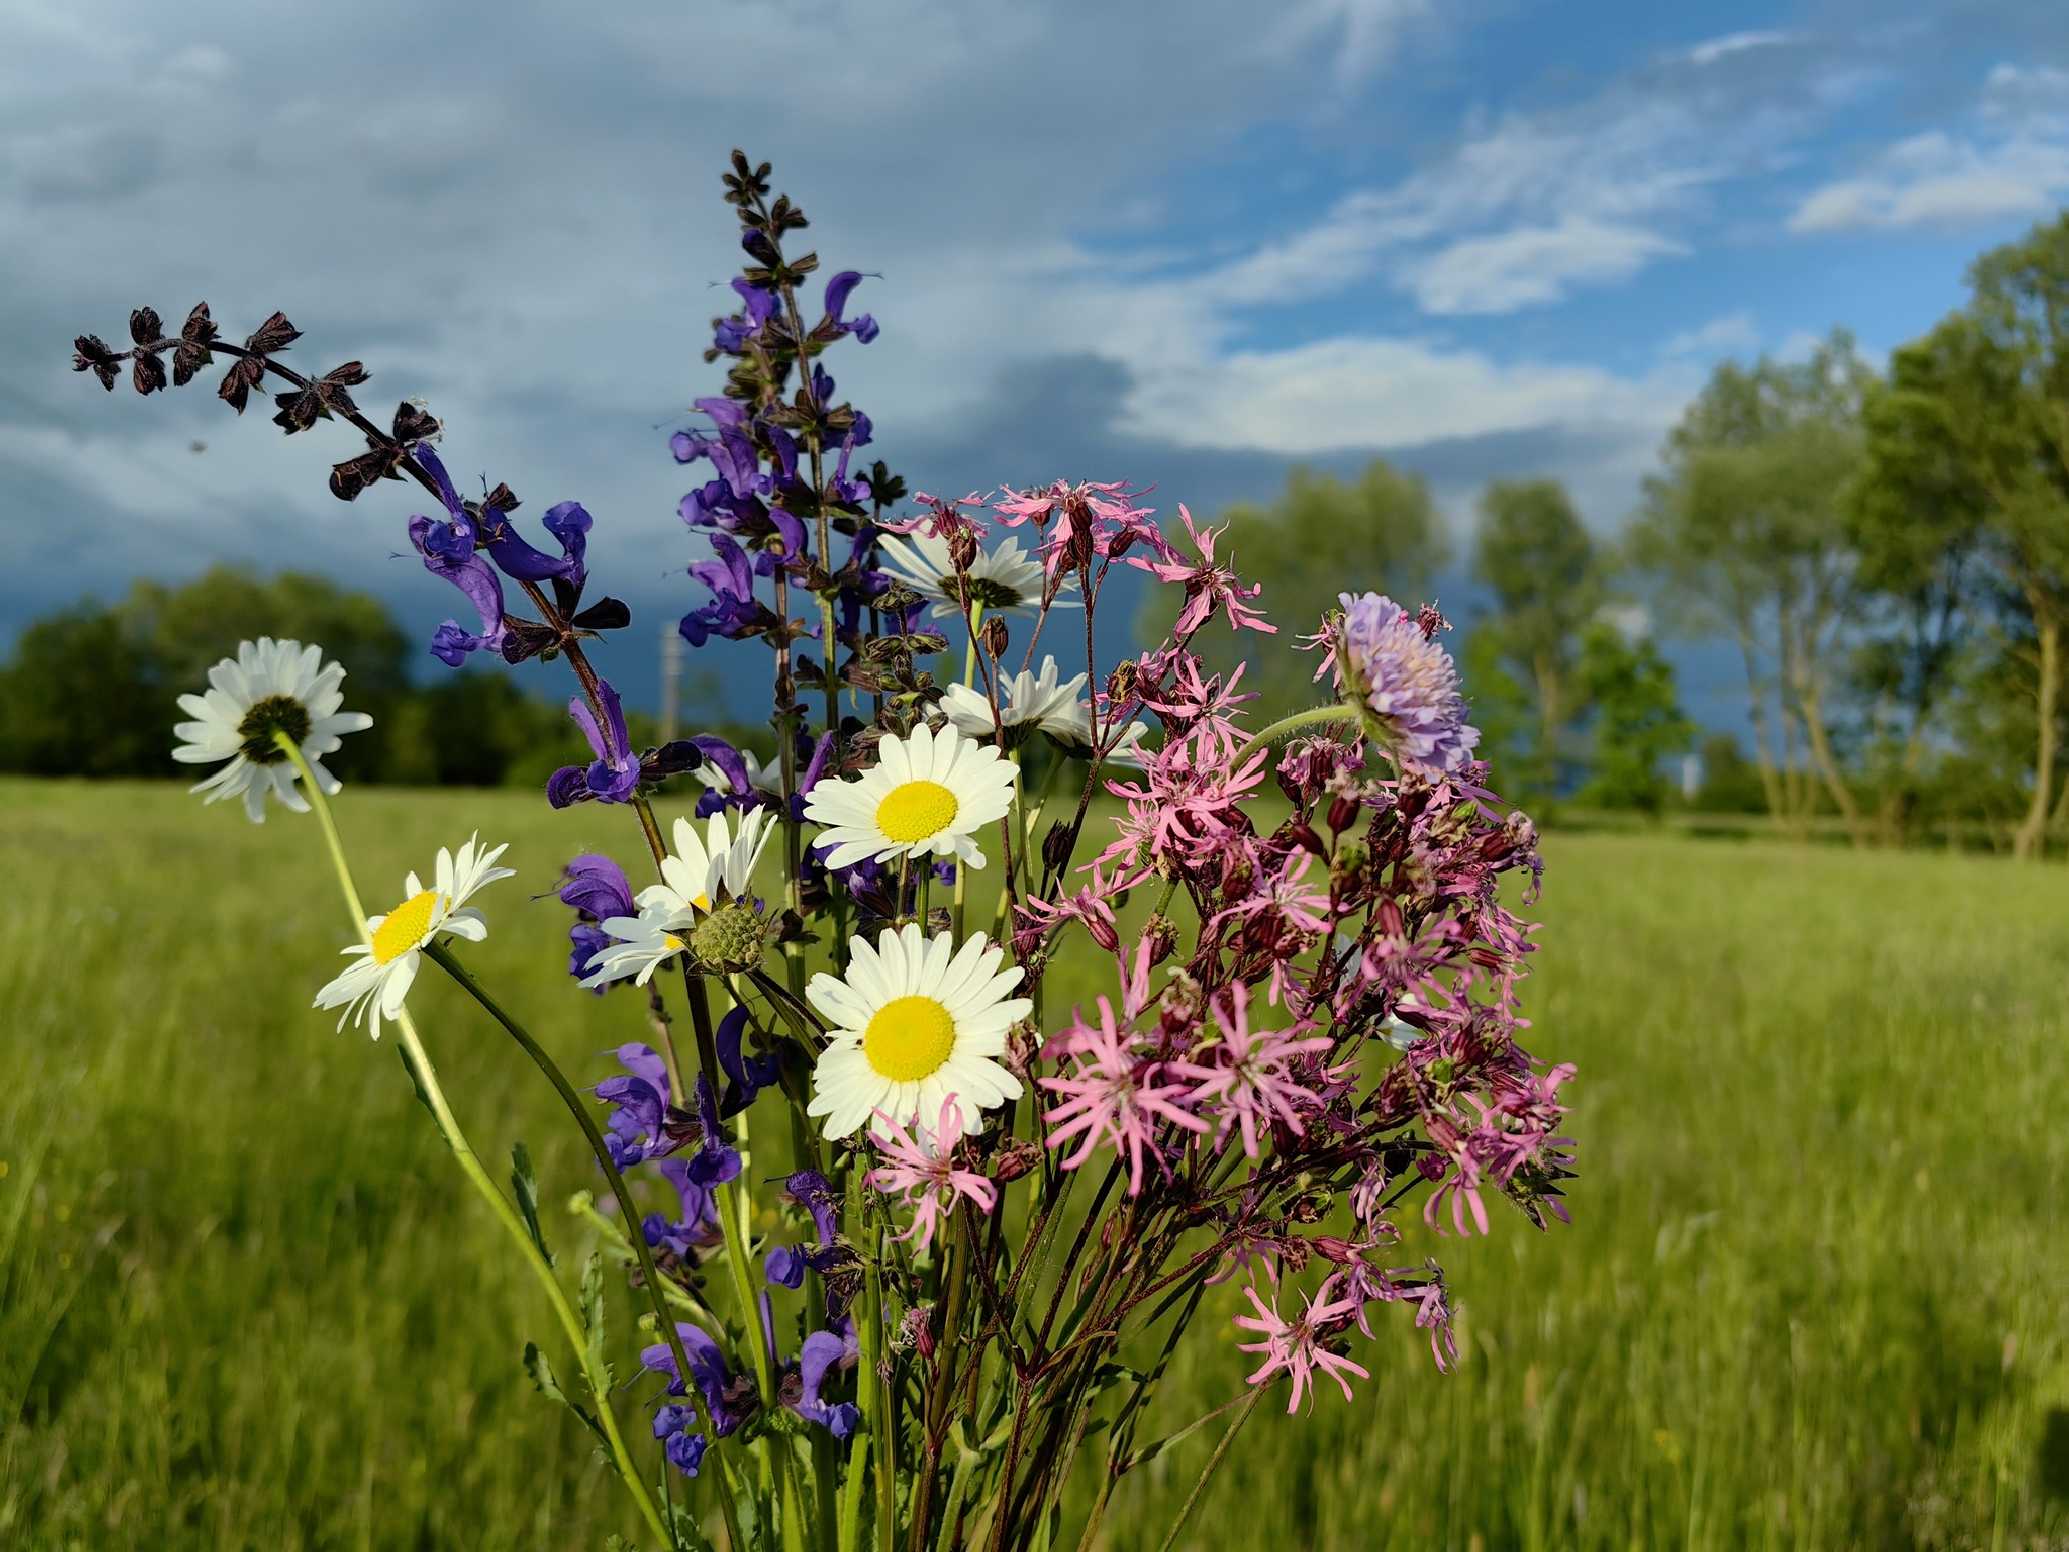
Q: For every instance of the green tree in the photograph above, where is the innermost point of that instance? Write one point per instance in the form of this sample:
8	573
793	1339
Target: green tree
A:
1637	726
1322	537
1538	559
1982	425
80	696
1916	525
183	629
92	690
1746	526
1730	783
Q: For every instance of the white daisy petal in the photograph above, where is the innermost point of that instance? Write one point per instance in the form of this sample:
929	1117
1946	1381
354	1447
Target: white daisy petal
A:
911	1042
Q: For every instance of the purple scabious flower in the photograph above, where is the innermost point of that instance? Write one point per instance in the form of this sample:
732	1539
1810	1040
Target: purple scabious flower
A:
613	777
1404	684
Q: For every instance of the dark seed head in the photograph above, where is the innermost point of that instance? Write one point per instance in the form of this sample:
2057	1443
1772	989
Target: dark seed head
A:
274	714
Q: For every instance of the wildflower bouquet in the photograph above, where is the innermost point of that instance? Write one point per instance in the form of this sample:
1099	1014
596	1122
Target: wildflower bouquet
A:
915	1241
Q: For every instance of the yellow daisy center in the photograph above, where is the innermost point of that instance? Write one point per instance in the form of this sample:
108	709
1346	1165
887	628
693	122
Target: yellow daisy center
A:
403	928
915	810
675	944
909	1038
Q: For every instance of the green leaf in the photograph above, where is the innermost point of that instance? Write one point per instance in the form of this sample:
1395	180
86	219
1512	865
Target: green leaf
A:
537	1365
688	1532
524	1182
592	1314
416	1081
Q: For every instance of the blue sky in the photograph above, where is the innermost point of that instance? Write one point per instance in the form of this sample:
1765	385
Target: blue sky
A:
1190	244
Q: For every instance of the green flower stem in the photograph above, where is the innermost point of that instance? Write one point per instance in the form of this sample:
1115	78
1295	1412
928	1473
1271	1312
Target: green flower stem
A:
875	1372
635	1235
736	1229
1314	716
471	1166
851	1493
1192	1499
865	1388
970	651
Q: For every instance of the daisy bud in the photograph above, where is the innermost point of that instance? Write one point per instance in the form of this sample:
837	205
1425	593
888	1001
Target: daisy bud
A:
730	939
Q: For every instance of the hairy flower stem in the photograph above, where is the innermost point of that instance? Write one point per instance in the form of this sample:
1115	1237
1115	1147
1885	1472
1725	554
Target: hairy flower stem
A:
426	1077
1192	1499
1314	716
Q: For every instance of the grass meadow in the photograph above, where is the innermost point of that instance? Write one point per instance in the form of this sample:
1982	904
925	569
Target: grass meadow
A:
1816	1293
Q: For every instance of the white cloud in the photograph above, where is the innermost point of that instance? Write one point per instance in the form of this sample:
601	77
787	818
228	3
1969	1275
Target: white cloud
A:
2013	161
1710	52
1361	34
1719	337
1371	391
1531	264
1526	208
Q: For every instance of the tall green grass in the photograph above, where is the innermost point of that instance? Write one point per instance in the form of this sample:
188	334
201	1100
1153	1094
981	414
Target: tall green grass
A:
1816	1293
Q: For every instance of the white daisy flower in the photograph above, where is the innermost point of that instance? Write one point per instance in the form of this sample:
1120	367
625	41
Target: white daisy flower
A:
926	793
373	987
1004	579
706	868
1028	702
644	943
915	1021
268	686
702	871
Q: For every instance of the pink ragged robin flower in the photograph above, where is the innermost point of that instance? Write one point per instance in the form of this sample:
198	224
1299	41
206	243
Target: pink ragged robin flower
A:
1296	1346
922	1165
1116	1094
1246	1077
943	519
1093	518
1207	583
1187	805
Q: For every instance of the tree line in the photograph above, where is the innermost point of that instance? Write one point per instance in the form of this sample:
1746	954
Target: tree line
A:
1885	554
90	690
